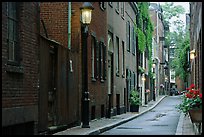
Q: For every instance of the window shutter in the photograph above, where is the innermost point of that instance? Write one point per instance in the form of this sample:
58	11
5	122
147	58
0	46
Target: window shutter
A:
97	60
127	35
104	60
132	40
100	60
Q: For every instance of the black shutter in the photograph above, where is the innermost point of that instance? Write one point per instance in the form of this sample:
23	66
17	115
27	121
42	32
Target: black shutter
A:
104	62
97	59
127	36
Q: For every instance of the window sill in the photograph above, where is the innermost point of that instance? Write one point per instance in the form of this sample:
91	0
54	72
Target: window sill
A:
117	74
14	69
93	80
102	81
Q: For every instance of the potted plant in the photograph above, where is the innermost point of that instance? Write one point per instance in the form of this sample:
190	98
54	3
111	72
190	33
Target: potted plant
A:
134	101
192	104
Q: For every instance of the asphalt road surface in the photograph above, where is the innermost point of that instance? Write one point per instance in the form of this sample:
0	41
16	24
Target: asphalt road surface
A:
162	120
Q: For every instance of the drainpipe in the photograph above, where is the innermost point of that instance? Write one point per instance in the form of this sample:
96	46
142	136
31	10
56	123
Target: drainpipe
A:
69	33
69	25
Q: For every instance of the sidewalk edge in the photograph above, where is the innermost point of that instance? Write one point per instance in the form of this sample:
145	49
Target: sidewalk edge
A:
179	129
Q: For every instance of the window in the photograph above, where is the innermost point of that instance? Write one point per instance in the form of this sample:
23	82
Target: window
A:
122	9
12	37
117	7
172	76
128	35
133	40
134	80
117	55
123	59
93	57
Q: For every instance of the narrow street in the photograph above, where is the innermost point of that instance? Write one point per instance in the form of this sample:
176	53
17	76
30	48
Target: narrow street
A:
162	120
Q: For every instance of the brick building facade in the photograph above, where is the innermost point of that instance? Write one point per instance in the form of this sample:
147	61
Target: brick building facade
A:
62	24
20	71
196	45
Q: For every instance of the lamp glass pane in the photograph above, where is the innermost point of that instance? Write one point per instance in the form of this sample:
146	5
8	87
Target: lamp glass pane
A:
86	16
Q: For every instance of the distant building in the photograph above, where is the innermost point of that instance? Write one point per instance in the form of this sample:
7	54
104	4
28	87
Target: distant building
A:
159	55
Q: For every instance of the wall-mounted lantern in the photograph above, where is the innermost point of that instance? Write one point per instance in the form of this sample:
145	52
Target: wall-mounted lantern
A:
192	54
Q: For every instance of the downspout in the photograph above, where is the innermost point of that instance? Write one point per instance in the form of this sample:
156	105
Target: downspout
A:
69	33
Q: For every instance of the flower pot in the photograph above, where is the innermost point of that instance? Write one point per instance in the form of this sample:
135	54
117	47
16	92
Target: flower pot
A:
195	115
134	108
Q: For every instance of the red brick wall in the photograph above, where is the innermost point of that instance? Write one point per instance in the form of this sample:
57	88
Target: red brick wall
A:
20	89
20	84
97	89
55	17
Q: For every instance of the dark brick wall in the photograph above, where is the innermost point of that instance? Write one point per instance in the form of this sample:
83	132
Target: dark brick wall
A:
55	17
98	89
20	84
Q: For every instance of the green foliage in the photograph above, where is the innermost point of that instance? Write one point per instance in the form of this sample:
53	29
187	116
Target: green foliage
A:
180	62
134	98
170	10
145	31
140	69
141	40
179	37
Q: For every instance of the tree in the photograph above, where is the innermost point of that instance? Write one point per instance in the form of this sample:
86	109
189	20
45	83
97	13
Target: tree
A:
180	37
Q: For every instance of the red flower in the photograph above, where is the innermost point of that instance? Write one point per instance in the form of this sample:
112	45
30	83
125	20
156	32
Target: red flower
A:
191	91
200	95
192	86
196	92
189	95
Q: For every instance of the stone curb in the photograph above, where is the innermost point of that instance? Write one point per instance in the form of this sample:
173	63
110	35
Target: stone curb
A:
179	129
110	126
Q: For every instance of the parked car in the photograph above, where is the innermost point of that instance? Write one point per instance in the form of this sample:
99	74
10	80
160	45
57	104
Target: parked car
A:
174	91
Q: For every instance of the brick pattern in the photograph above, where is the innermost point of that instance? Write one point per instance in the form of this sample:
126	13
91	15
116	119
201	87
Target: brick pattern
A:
55	17
20	89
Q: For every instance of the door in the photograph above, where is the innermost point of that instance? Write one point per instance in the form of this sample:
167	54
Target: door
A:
118	104
52	98
110	83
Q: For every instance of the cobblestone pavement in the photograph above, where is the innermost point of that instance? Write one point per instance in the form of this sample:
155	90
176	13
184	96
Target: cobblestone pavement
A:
100	125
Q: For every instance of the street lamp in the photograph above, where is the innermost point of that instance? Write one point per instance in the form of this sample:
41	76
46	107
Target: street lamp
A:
86	11
192	54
